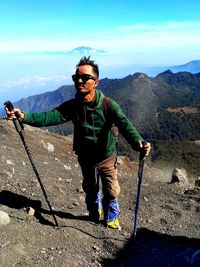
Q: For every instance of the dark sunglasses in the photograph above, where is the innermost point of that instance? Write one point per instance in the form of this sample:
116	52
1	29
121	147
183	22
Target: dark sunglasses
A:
83	77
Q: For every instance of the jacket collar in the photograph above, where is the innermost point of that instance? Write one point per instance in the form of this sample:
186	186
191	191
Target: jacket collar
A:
95	104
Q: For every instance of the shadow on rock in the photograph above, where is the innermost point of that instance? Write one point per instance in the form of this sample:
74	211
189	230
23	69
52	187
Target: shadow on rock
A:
154	249
16	201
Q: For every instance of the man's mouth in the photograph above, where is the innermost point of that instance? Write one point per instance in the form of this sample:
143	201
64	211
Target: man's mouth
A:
81	86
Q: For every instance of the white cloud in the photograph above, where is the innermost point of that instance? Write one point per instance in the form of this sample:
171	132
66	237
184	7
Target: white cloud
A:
36	80
137	37
35	45
140	37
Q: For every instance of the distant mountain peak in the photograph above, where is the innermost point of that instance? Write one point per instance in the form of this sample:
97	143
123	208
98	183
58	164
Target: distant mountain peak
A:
196	61
192	66
86	51
140	75
167	72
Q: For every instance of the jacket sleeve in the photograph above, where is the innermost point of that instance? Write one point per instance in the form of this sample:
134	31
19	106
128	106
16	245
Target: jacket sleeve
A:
126	127
61	114
40	119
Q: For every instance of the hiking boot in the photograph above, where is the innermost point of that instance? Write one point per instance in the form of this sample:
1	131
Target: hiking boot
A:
97	216
114	224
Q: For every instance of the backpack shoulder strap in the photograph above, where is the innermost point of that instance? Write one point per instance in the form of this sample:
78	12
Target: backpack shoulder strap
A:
106	103
114	128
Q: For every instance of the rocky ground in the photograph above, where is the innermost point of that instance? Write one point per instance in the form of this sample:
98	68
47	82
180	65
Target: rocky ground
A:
168	232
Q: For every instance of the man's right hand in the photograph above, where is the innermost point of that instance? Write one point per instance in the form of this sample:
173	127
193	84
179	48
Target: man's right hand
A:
16	112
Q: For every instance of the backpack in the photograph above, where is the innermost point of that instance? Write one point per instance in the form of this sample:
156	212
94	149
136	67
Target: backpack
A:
114	128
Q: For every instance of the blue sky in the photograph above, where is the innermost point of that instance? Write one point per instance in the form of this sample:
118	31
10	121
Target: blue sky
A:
35	35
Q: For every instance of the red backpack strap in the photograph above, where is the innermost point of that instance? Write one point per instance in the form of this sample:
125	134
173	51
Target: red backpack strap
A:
106	103
114	128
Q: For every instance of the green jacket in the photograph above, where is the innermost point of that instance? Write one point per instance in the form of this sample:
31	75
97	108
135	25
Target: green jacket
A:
93	138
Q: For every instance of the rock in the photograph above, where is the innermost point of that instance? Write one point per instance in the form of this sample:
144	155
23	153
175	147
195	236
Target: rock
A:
47	146
4	218
96	248
67	167
9	162
119	161
75	204
9	174
197	182
179	176
30	211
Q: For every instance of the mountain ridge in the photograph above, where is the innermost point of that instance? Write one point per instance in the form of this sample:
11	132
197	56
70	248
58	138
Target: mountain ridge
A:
68	91
192	66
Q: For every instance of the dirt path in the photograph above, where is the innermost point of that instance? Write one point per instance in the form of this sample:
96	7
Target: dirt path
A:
169	226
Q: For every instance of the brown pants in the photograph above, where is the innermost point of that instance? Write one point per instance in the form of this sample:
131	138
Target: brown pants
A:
107	170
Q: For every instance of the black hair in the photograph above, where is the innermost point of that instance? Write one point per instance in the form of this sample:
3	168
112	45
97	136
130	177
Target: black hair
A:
88	61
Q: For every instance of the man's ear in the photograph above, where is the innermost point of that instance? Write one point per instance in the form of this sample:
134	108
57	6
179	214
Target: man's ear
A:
96	82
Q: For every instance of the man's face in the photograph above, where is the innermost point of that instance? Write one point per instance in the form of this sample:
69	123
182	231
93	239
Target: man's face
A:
86	83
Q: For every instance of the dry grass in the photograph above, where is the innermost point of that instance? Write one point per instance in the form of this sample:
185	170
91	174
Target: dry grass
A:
184	110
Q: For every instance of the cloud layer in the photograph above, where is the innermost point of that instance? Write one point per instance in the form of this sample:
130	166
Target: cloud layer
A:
116	40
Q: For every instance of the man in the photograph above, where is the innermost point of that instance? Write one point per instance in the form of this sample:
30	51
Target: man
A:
93	142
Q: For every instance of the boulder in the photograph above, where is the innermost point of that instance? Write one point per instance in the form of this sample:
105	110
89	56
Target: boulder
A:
4	218
179	176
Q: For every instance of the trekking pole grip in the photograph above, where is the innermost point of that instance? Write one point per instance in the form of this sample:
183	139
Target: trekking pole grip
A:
18	124
142	152
9	105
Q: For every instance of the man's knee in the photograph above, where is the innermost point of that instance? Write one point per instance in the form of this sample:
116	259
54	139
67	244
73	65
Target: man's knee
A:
114	192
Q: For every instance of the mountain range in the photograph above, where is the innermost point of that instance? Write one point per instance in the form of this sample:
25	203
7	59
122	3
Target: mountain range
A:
165	109
192	66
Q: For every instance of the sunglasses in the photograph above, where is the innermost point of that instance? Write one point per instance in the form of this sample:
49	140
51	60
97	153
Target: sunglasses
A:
83	77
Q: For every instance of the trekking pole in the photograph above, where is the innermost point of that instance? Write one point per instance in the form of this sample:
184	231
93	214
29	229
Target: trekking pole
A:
19	128
142	158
